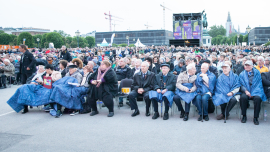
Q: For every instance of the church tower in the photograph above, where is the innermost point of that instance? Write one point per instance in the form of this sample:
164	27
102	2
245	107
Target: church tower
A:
229	27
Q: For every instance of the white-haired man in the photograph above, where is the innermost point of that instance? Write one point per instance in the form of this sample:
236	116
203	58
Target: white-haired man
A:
205	84
9	71
137	68
261	66
143	82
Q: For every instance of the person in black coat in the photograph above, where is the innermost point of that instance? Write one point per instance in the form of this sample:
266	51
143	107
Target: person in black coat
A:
103	86
64	54
168	61
165	84
143	82
27	63
152	67
266	84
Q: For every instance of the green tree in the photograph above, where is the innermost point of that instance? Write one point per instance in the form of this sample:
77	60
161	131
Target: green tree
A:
266	44
35	40
73	44
229	41
219	38
232	35
217	30
13	39
1	31
68	40
214	41
90	41
224	40
122	45
61	32
245	39
5	39
240	39
55	38
131	45
114	45
43	41
82	42
28	41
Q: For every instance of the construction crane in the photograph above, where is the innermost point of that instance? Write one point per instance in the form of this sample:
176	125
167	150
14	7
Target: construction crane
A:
147	25
110	19
163	6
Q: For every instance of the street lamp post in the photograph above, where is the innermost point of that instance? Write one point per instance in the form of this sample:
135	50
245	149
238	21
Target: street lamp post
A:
38	41
127	37
248	30
77	34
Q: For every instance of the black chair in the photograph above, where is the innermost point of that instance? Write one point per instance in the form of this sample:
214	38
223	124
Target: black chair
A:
125	83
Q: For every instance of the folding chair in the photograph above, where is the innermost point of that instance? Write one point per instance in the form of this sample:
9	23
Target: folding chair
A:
124	90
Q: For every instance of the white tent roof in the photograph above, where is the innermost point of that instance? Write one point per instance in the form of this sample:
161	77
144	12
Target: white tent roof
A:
104	43
139	44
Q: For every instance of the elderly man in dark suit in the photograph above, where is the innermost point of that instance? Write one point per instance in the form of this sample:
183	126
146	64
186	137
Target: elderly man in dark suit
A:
27	63
143	82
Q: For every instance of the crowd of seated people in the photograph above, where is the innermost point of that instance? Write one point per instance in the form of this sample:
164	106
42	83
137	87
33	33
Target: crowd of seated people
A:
75	79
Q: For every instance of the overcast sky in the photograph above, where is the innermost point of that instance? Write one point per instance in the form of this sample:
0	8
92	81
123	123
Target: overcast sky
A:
88	15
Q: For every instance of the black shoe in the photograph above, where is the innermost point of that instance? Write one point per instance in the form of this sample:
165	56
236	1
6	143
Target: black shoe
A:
103	105
200	118
147	114
206	118
156	115
5	86
110	114
58	114
25	111
244	119
166	116
256	121
128	103
185	117
31	107
93	113
120	104
136	112
84	111
182	114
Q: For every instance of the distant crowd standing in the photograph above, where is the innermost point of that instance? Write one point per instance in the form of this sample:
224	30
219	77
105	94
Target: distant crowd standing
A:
75	79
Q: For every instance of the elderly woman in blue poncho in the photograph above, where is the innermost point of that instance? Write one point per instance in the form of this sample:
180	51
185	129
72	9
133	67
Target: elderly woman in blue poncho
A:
205	84
252	89
227	91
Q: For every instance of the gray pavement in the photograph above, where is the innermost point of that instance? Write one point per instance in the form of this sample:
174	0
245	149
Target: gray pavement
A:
38	131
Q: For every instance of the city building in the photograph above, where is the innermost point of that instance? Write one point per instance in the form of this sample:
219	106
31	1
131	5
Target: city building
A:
229	27
259	35
89	34
147	37
32	31
207	39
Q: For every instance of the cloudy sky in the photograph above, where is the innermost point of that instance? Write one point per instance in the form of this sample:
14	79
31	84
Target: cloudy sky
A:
88	15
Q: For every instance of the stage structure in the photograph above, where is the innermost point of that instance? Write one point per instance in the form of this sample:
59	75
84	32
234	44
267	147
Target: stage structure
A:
188	29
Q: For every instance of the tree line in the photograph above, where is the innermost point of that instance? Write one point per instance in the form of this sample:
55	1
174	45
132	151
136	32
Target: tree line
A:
58	38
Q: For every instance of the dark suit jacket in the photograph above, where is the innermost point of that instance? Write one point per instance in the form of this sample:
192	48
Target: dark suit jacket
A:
139	82
266	83
28	61
170	83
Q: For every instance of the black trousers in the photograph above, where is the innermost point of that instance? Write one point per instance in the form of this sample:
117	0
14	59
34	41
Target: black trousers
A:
25	76
132	100
18	77
107	100
230	104
155	105
3	80
244	104
177	100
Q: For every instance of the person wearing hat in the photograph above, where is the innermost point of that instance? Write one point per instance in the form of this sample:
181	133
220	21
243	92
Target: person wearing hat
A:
227	91
164	86
252	89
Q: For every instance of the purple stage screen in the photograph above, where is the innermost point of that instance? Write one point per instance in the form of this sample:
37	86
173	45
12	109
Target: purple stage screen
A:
187	31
